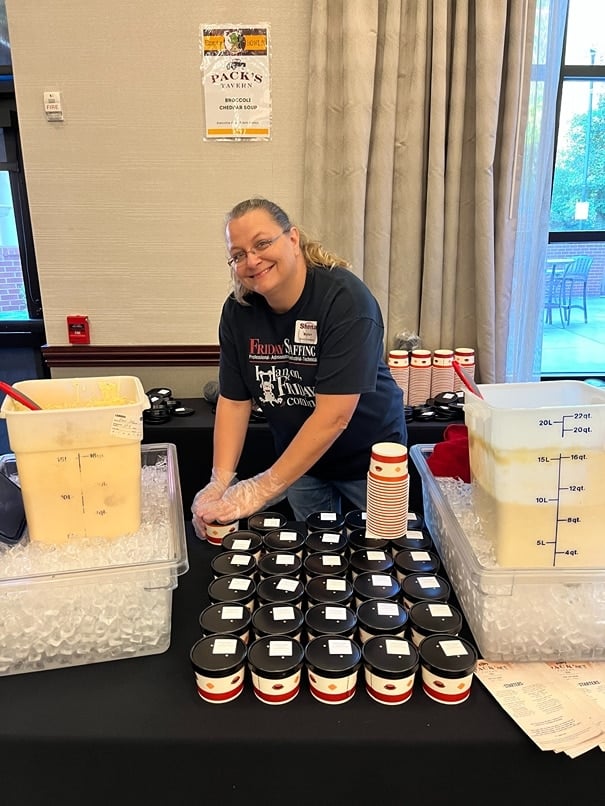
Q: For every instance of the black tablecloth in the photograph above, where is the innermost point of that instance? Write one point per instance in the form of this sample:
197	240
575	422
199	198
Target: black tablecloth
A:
135	731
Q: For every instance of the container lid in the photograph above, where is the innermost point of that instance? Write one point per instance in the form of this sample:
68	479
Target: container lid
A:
435	617
225	617
332	656
382	616
335	590
264	522
372	585
326	564
419	587
415	521
332	542
218	655
242	540
391	657
284	540
411	561
280	589
377	560
275	656
277	619
280	563
359	540
232	588
414	539
356	519
330	619
448	655
233	562
324	521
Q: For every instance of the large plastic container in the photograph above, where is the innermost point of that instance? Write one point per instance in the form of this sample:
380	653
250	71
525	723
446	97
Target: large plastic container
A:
79	456
71	608
537	457
515	614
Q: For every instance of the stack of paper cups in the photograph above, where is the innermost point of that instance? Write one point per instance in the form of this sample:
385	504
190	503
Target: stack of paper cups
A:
465	356
388	490
420	377
442	373
399	365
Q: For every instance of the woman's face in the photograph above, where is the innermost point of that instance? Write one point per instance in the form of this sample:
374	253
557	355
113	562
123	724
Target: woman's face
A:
270	260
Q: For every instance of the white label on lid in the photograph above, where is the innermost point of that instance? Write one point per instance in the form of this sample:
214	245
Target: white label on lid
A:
224	646
329	560
364	516
414	534
412	516
283	613
241	545
428	582
387	609
288	536
440	610
240	559
453	647
420	556
339	646
381	580
336	613
286	584
280	648
232	611
376	555
327	516
330	537
336	584
394	647
239	584
284	559
270	521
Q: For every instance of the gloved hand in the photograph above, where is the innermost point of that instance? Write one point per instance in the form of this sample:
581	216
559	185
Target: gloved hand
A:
212	492
246	498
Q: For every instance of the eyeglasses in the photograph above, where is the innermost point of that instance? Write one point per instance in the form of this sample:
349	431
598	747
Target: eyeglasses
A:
239	258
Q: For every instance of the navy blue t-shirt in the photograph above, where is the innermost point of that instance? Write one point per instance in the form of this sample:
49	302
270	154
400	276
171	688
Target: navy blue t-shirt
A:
331	342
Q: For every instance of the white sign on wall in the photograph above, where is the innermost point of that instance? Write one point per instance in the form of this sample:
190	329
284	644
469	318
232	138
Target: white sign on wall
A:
236	80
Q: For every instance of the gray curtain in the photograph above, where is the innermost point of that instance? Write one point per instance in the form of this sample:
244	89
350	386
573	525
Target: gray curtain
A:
415	111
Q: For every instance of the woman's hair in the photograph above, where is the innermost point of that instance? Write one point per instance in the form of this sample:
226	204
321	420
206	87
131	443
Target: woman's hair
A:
313	252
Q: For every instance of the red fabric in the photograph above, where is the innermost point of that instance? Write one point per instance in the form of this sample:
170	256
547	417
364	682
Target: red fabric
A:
450	457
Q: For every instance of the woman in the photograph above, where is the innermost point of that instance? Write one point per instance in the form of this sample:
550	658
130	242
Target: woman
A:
303	337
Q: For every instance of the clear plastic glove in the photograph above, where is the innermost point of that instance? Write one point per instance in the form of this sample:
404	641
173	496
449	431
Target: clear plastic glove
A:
246	498
212	492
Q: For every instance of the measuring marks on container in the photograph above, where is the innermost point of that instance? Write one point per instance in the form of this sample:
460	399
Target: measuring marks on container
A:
569	491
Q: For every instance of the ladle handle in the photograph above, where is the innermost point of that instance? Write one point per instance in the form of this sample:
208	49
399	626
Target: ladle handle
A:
19	396
468	382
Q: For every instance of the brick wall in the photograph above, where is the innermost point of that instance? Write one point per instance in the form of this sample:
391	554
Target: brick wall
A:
12	295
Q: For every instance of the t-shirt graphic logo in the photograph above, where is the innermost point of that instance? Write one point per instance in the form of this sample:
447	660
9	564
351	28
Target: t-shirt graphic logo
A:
266	380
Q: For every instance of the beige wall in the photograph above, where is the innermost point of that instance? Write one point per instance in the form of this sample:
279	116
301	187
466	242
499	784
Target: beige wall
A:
127	200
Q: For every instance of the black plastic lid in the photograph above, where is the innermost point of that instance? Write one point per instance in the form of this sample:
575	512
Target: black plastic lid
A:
415	521
332	656
277	619
264	522
415	539
280	589
390	657
275	656
225	617
359	540
377	560
371	585
330	542
329	589
410	561
330	619
233	562
242	540
356	519
218	655
448	655
279	563
325	564
428	618
284	540
420	587
325	521
382	616
232	588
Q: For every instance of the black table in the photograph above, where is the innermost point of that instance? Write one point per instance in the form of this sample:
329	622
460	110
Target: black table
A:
193	439
135	731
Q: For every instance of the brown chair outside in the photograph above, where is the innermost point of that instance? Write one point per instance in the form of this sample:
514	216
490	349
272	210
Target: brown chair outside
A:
576	277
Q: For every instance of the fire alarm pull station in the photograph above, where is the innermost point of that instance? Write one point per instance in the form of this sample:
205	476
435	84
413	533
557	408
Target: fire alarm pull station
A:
78	330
